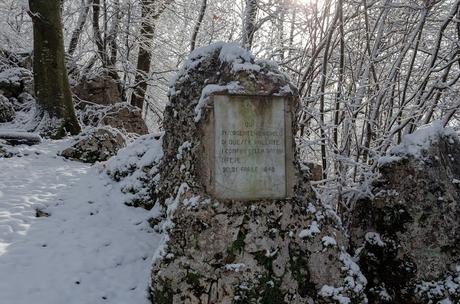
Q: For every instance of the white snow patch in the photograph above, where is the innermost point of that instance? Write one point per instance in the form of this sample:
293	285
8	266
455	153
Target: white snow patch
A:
14	76
328	241
230	53
233	52
448	287
235	267
185	146
334	293
421	140
191	202
310	231
373	238
355	280
25	114
10	134
311	208
237	67
91	249
388	159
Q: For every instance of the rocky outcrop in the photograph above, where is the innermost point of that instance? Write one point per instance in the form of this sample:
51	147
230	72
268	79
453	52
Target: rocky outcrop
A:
98	144
408	234
220	251
14	81
122	116
7	112
102	90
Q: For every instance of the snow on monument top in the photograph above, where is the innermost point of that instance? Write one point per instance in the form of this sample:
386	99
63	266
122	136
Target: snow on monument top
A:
233	67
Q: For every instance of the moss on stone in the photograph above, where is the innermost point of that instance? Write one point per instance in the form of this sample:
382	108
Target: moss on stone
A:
266	290
164	296
271	293
236	247
298	265
264	260
193	279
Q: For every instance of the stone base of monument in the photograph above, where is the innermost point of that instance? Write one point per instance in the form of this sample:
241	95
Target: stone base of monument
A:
242	222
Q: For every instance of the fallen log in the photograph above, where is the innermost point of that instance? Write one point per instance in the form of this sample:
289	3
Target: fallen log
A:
14	138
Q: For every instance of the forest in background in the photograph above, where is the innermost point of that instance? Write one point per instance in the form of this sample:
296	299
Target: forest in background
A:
368	72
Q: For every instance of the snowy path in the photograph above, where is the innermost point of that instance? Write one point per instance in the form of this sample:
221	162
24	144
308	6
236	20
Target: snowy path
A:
92	249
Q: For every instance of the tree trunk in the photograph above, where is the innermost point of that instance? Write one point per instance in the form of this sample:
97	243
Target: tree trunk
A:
113	33
52	89
151	11
97	33
196	30
80	24
144	56
249	23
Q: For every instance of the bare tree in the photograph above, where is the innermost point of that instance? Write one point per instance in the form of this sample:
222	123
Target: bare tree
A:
52	89
249	23
151	11
79	28
196	30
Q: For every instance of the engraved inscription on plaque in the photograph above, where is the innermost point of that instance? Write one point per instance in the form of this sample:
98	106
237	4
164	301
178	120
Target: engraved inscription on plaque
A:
249	147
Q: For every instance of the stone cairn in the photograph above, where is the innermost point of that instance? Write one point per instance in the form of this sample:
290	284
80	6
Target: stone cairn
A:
242	222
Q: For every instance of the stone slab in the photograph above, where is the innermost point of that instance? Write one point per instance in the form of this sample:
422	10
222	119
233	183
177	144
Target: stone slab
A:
250	147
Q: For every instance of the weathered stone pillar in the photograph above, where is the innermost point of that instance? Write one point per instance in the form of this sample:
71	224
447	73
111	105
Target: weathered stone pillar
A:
244	225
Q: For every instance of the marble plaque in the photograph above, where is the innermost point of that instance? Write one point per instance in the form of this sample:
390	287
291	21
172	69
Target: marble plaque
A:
249	147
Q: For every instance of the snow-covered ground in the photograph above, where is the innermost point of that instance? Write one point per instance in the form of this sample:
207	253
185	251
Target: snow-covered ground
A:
91	249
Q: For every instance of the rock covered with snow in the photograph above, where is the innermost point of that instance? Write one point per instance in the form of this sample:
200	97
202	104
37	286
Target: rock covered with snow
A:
121	116
136	169
14	81
96	144
9	59
408	234
7	112
267	251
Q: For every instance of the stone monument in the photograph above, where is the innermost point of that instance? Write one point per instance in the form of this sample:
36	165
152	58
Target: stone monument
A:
242	222
250	147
